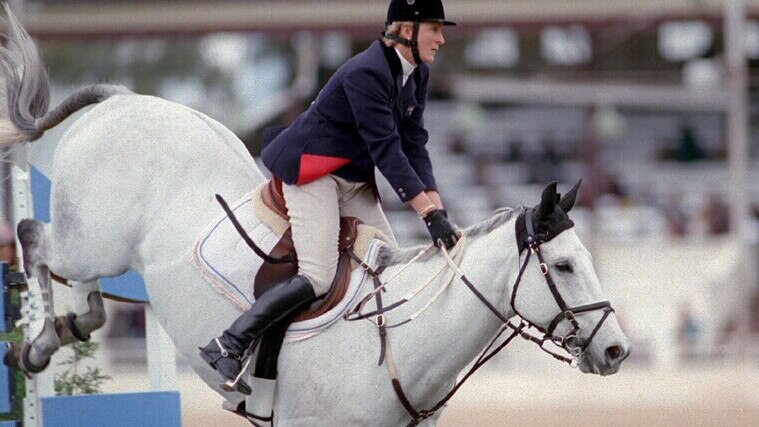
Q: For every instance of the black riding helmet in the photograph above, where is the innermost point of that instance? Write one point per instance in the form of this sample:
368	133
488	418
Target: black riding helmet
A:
415	11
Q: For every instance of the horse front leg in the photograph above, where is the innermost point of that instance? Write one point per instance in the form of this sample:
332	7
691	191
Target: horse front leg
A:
88	314
34	356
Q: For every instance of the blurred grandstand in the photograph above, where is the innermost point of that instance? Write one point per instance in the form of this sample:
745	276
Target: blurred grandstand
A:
652	103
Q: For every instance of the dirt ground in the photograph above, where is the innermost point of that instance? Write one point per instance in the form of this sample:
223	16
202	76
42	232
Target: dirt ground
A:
460	414
713	415
697	396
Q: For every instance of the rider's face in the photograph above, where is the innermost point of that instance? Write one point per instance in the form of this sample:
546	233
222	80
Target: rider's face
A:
430	39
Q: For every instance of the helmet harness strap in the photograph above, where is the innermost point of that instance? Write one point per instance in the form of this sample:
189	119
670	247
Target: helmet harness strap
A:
413	43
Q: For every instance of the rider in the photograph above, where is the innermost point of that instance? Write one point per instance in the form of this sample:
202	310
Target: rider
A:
370	113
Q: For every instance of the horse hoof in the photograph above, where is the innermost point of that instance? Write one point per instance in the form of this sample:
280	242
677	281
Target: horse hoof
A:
11	356
71	323
18	358
27	365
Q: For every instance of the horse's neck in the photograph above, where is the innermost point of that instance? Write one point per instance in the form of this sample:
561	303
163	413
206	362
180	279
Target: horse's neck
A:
439	344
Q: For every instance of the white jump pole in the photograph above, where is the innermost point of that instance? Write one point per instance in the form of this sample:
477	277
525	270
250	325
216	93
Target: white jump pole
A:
162	361
737	116
42	384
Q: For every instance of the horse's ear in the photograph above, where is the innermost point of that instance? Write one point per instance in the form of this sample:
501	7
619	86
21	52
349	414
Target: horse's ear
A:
568	201
547	201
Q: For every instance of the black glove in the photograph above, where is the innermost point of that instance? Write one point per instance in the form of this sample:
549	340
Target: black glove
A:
441	229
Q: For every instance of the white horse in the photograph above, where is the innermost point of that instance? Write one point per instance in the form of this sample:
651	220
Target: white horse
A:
133	187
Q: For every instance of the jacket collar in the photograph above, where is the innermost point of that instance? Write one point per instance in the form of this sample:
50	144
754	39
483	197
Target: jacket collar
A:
406	67
392	59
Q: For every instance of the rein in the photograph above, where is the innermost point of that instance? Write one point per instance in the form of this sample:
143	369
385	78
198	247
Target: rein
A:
570	342
356	314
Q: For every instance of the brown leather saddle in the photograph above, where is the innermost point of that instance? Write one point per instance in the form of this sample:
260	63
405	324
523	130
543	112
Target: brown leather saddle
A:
270	274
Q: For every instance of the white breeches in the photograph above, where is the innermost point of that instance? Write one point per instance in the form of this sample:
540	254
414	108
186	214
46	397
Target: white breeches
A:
315	210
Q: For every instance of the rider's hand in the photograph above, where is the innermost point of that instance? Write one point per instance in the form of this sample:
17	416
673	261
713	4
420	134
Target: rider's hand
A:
440	229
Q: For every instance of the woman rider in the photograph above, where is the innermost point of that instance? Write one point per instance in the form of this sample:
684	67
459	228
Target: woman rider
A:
369	114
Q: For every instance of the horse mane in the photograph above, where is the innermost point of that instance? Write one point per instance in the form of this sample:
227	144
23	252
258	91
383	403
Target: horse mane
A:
392	255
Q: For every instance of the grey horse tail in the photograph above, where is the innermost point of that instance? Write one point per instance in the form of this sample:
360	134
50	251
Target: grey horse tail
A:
24	111
76	101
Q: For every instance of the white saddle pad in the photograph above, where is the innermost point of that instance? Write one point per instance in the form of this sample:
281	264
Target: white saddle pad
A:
230	266
223	257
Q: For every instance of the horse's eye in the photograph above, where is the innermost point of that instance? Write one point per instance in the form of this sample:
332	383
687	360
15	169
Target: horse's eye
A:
564	267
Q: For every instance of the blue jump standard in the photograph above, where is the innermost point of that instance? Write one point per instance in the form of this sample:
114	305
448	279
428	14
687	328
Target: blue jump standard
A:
6	374
6	385
155	409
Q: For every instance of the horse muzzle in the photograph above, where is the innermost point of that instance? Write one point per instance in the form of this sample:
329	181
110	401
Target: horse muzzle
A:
609	361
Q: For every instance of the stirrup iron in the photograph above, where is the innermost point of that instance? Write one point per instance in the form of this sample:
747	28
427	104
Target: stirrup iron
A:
235	385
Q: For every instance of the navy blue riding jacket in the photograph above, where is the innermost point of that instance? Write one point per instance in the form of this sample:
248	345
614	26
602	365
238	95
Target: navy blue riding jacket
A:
364	117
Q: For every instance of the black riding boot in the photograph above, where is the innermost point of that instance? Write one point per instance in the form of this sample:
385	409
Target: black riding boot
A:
224	353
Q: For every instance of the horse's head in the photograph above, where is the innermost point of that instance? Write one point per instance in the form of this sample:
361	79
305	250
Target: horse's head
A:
558	290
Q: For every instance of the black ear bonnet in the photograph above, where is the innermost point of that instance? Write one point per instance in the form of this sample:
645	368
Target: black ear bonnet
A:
548	219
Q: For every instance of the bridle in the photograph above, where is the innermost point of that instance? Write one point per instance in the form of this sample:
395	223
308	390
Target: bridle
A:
571	341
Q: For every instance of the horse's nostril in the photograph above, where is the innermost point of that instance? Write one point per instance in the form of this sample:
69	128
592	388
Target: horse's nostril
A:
613	353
